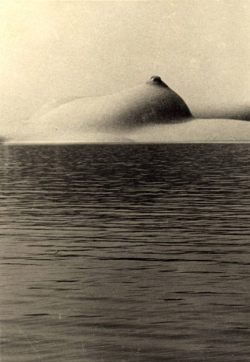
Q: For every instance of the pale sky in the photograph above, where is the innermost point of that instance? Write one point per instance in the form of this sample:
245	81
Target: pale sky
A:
53	49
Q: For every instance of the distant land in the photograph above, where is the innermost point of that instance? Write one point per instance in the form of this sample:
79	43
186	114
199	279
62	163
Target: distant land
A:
240	112
151	112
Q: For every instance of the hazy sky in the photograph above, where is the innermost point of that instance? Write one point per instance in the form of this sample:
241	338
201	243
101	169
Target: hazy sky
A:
52	49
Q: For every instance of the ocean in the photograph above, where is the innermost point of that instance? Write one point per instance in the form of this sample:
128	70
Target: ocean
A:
129	253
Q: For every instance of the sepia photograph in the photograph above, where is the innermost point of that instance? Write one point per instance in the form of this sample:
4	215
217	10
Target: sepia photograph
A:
125	181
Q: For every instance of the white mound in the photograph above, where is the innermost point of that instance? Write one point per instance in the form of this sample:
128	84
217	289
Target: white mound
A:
151	112
150	103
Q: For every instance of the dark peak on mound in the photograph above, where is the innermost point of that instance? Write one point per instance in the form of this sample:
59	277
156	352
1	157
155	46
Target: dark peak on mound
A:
156	80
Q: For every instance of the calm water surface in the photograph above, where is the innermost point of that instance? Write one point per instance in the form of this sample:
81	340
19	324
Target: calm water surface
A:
131	253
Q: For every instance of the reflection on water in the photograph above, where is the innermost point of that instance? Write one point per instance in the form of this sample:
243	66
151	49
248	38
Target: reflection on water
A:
135	253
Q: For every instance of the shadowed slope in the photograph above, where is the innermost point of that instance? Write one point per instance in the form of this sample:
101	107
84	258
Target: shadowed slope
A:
152	102
83	118
151	112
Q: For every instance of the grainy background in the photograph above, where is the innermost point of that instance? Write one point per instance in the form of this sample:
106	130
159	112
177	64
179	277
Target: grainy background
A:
53	49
